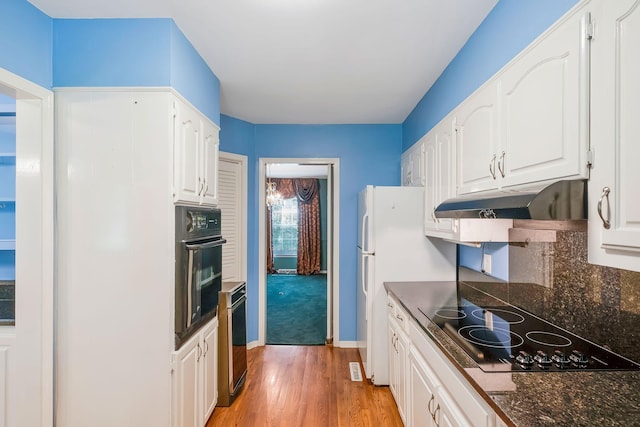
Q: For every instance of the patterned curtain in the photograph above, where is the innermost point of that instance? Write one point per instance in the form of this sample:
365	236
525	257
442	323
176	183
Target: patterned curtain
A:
306	190
309	239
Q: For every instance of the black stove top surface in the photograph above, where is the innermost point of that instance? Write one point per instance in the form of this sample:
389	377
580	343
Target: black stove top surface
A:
501	338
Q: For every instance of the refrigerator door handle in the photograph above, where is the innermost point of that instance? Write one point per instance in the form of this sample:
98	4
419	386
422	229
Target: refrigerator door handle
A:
362	274
365	226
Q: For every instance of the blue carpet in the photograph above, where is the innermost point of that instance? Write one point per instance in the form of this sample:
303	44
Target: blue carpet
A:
296	309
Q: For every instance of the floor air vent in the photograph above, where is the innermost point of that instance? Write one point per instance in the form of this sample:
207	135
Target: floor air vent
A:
356	375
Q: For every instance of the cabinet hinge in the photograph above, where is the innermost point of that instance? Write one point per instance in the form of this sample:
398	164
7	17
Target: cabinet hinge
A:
588	27
590	156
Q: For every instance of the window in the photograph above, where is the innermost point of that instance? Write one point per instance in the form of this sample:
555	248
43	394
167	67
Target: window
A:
284	228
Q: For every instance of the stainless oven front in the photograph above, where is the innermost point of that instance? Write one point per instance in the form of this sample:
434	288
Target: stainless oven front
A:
198	269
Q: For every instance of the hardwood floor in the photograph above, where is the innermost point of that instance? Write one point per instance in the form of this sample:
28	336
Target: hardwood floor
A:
306	386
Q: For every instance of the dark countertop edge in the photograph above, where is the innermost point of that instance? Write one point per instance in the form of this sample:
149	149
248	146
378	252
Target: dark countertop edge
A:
437	340
231	286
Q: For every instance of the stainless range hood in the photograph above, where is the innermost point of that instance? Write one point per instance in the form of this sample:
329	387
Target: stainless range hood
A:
562	200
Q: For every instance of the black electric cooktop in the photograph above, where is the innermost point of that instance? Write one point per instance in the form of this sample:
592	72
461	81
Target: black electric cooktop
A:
500	338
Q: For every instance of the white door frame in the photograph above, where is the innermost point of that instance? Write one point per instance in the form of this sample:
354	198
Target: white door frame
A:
333	243
31	339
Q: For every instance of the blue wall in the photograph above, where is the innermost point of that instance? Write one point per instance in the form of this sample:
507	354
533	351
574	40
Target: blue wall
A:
192	77
510	27
26	41
369	154
133	53
111	52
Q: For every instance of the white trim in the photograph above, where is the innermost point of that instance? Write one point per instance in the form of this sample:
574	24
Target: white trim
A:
242	233
346	344
332	266
41	114
253	344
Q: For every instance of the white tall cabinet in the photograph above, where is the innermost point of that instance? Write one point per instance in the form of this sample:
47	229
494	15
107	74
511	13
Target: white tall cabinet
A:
115	175
614	205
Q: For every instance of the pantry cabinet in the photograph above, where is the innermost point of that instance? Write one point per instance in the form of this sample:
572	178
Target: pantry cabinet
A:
412	166
529	123
196	157
614	206
195	381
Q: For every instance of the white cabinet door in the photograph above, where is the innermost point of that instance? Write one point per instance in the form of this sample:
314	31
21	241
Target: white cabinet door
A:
412	168
195	382
422	392
431	183
187	384
393	366
544	100
188	181
211	152
196	157
614	239
209	370
477	140
402	357
447	413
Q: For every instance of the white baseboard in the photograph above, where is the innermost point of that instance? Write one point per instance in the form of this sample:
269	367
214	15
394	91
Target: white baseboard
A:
346	344
253	344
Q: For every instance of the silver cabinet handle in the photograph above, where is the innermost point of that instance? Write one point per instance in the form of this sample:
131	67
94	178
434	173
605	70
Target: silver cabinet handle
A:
200	186
492	166
606	223
435	415
430	404
501	164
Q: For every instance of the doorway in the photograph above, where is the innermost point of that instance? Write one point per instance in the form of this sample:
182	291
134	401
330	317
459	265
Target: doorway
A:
26	333
296	285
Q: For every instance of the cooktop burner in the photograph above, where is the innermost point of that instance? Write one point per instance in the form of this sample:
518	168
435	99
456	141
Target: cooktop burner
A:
500	337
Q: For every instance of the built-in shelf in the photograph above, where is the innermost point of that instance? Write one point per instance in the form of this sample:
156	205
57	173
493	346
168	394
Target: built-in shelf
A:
7	245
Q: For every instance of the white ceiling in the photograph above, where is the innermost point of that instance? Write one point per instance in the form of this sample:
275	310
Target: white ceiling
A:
311	61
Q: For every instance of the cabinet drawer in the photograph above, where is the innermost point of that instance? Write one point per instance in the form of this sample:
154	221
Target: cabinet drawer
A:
458	389
395	310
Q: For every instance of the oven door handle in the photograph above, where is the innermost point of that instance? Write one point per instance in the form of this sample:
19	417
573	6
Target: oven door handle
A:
205	245
239	301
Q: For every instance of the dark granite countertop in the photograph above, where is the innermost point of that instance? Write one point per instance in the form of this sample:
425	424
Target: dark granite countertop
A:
531	398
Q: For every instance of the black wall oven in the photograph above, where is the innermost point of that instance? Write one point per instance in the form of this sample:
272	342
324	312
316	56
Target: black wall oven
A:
198	269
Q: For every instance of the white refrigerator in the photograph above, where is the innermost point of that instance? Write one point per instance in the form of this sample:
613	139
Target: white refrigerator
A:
392	247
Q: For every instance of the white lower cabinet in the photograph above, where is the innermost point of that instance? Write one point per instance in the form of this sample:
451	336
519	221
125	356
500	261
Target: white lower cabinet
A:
398	356
195	378
431	405
428	389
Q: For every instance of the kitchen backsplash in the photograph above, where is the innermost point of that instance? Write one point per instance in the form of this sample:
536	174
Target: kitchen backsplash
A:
555	282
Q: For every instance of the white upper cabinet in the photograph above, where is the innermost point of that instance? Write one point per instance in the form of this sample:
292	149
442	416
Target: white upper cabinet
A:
529	123
544	99
477	141
412	167
439	161
614	205
196	157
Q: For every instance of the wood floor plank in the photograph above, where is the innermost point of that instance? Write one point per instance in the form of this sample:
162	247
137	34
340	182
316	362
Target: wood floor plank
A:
306	386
